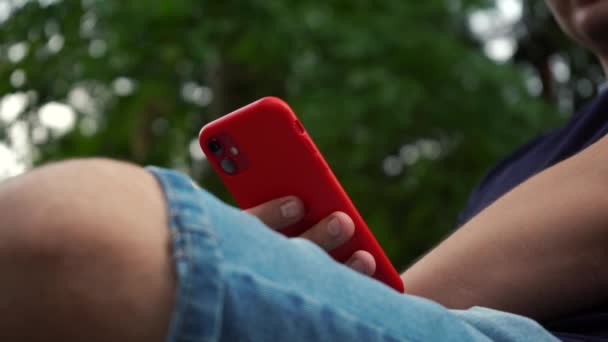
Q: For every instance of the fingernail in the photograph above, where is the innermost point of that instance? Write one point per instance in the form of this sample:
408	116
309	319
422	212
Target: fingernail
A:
333	227
290	209
357	265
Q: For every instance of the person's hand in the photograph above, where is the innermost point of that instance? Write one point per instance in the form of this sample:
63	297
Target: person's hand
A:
329	233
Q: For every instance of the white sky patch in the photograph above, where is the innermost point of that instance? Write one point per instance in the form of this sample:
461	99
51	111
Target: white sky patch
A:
480	22
17	52
40	135
559	68
197	94
10	165
494	27
12	105
19	138
45	3
58	117
5	10
80	99
18	78
500	49
55	43
16	158
123	86
409	154
392	166
195	150
512	10
534	84
87	25
8	7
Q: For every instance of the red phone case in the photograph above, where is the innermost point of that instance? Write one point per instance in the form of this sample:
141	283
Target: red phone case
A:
275	157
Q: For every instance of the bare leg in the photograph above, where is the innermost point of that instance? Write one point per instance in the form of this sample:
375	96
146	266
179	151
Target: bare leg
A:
84	255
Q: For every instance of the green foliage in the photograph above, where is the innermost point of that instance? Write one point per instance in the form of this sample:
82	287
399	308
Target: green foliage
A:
374	83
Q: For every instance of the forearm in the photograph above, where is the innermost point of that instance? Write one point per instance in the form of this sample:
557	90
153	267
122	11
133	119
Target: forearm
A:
541	250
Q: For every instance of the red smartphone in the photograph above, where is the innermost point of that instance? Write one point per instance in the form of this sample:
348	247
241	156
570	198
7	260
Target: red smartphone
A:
262	152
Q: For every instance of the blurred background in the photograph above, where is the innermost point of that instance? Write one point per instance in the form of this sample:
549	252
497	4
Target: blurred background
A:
409	101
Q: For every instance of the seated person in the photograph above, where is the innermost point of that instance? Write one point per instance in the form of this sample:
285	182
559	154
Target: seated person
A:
100	250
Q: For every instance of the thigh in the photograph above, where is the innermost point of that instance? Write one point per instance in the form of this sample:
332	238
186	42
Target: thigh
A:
239	280
84	254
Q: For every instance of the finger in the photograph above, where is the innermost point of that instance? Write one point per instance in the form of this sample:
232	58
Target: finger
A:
362	262
279	213
332	231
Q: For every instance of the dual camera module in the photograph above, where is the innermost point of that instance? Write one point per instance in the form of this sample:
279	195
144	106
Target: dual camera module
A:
227	164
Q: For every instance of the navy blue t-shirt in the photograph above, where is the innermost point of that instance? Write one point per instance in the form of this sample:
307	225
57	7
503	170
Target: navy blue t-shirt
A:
582	130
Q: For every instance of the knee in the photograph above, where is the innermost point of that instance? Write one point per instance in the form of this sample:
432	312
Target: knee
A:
87	239
94	205
62	206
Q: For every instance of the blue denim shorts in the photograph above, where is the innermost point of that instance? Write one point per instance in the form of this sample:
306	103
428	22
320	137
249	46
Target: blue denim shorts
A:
240	281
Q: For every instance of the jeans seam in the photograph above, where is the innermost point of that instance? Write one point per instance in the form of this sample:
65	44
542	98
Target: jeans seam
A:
180	253
183	251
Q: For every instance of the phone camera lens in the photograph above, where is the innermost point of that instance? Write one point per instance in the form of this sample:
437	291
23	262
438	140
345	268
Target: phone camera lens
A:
228	166
215	147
